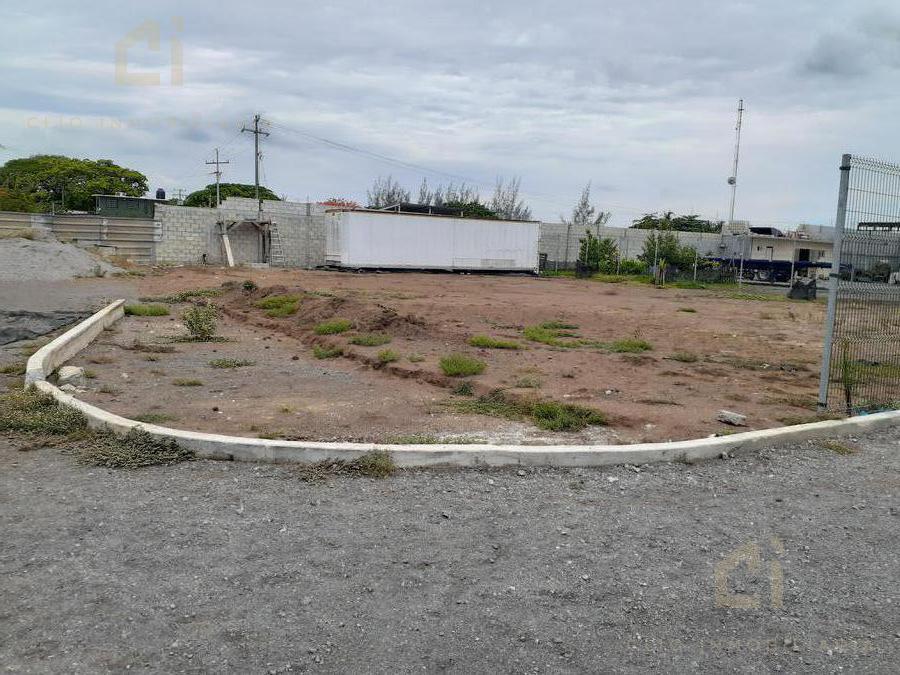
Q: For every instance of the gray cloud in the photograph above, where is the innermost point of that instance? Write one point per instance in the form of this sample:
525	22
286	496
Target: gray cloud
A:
637	97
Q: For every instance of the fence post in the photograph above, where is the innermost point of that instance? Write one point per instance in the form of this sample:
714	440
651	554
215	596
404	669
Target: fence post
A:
833	281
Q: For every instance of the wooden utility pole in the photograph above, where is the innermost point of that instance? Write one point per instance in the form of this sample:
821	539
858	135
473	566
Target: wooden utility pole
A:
218	175
256	134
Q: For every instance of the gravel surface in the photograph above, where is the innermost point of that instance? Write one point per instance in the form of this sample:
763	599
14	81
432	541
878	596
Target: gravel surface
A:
24	260
230	567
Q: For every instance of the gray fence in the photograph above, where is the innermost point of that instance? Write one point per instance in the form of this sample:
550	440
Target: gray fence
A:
861	359
131	238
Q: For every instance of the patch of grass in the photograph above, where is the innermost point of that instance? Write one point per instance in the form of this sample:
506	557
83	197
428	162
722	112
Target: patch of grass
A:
839	448
154	418
323	352
90	374
32	412
629	346
387	356
184	296
17	369
370	339
374	464
183	382
279	306
460	365
684	357
107	389
549	415
146	310
100	359
333	327
549	336
554	416
558	325
230	363
134	450
687	310
415	358
151	358
528	382
427	439
690	285
487	342
287	410
249	286
793	420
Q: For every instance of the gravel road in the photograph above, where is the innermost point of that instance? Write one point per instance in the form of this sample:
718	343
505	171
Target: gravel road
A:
231	567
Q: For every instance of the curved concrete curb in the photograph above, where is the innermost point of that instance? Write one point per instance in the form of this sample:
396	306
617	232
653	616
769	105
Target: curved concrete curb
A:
218	446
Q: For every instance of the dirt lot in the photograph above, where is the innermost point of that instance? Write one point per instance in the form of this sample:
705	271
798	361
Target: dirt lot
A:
242	568
709	350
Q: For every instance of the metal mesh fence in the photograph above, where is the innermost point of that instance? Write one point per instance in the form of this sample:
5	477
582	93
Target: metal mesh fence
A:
861	363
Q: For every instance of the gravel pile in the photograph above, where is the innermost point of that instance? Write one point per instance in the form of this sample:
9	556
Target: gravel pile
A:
24	260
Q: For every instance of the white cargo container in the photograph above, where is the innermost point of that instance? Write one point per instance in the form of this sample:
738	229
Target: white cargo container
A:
390	240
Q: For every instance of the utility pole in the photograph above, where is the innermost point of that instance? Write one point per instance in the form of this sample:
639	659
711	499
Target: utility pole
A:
256	133
179	195
732	181
218	175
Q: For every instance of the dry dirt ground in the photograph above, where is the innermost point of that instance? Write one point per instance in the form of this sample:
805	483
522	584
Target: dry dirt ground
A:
758	357
239	568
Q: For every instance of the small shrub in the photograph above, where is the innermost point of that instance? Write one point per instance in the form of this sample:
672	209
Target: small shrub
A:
108	389
323	352
487	342
460	365
201	321
230	363
249	285
146	310
546	334
629	346
370	339
387	356
464	389
182	382
333	327
32	412
528	382
684	357
415	358
134	450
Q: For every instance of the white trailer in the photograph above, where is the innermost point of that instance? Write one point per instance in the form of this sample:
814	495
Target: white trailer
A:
390	240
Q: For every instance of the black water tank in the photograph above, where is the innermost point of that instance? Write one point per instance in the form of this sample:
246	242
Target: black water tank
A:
160	193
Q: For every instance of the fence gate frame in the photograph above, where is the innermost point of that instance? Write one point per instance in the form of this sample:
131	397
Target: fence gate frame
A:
875	188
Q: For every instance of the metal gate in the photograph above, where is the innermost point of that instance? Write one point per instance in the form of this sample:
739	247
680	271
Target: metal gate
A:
861	359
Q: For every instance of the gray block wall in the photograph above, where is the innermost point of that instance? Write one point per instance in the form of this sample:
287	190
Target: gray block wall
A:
561	242
188	233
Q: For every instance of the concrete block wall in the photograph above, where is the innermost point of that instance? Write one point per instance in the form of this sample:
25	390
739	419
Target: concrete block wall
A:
554	237
188	233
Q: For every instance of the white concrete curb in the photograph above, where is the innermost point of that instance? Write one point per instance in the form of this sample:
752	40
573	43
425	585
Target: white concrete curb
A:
218	446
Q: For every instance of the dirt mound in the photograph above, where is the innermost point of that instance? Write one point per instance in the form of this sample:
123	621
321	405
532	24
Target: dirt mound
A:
24	260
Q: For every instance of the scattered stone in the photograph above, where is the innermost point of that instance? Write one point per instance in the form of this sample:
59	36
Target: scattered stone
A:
732	418
69	388
70	375
520	472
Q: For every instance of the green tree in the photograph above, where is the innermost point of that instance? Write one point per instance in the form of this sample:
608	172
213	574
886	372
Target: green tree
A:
13	200
67	183
664	246
207	196
599	254
471	209
669	221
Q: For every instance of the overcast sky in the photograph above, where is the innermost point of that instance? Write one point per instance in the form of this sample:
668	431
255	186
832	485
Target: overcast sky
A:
638	97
